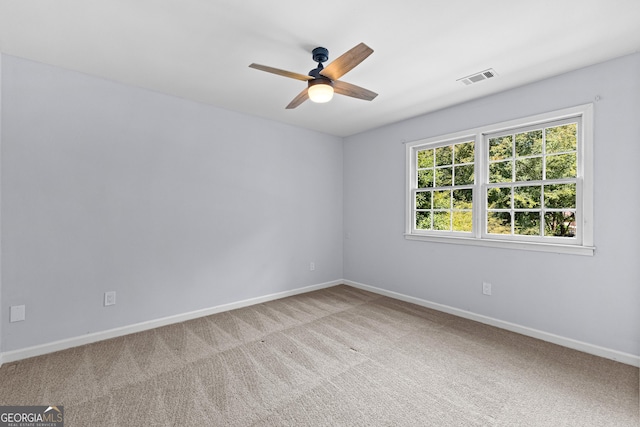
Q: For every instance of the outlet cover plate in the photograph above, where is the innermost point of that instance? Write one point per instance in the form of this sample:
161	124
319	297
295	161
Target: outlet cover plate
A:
109	298
486	288
18	313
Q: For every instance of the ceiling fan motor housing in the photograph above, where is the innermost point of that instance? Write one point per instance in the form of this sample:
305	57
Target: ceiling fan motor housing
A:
321	80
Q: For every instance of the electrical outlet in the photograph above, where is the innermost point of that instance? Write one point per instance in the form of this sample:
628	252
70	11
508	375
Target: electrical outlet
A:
109	298
486	288
18	313
312	266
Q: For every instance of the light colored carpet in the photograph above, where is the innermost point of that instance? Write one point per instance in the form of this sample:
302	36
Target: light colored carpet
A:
335	357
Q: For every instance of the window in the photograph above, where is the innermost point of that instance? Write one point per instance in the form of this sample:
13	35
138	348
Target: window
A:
523	184
444	194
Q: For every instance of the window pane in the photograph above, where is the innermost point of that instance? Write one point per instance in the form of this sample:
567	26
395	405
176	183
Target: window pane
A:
499	223
423	200
463	199
527	197
425	158
423	220
562	138
529	143
500	148
560	224
464	153
501	172
529	169
442	199
464	175
527	223
443	177
462	221
561	166
499	198
560	196
425	178
442	220
444	156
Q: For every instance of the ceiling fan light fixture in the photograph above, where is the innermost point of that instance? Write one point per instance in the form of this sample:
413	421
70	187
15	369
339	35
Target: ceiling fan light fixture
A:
320	90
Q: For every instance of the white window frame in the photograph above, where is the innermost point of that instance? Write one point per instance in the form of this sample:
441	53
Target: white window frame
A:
581	245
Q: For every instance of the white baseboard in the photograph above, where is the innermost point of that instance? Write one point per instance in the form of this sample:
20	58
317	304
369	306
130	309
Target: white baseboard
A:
12	356
39	350
607	353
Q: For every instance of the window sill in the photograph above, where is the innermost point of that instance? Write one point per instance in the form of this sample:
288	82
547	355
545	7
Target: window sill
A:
505	244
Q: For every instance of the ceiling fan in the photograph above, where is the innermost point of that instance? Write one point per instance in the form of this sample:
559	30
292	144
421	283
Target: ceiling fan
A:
322	81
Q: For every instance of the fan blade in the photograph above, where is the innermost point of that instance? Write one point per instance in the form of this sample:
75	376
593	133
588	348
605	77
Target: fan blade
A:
345	63
302	96
280	72
352	90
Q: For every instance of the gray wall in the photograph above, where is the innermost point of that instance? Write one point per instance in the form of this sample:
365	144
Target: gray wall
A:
175	205
591	299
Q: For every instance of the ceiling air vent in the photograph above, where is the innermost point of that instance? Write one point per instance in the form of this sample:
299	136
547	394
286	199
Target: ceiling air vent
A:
478	77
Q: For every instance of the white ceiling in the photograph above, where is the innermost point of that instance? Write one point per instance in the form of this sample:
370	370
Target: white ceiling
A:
201	49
